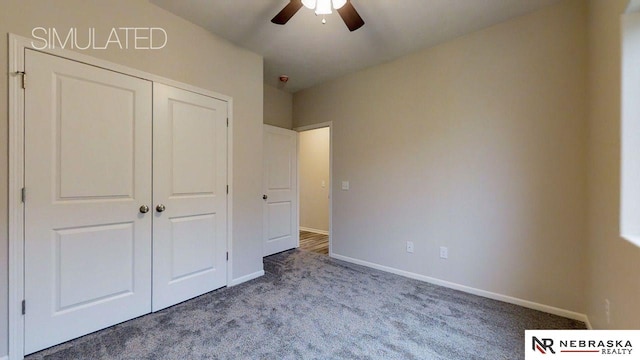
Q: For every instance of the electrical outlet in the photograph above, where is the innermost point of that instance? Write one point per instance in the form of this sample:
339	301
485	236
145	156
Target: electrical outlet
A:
410	246
444	252
607	310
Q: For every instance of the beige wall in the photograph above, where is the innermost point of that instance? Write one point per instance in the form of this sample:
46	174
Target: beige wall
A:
278	107
313	160
614	263
193	56
478	144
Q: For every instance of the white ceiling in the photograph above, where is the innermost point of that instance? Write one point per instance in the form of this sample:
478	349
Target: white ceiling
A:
310	52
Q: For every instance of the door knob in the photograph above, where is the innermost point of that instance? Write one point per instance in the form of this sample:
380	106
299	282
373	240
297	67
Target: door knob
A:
160	208
264	197
144	209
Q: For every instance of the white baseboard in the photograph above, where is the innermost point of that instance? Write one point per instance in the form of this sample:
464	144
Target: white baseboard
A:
323	232
491	295
245	278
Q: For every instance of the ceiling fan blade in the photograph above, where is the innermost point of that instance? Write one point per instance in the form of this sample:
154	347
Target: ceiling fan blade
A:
350	16
287	13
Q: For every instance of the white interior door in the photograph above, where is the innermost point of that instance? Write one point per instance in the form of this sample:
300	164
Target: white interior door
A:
280	224
87	173
190	195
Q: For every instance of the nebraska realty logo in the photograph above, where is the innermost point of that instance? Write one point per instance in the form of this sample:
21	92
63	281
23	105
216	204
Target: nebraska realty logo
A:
581	344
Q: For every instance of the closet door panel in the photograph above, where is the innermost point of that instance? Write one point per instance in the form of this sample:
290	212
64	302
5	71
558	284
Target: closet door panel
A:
87	173
189	192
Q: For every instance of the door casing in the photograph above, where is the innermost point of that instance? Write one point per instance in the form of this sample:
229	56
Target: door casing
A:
17	47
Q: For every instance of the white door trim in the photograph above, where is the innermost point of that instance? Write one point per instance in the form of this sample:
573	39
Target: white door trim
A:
17	47
16	209
300	129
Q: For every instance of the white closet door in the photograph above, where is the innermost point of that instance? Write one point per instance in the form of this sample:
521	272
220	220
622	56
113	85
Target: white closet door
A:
280	223
87	173
189	192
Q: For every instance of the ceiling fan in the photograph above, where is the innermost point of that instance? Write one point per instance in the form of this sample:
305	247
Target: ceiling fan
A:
322	7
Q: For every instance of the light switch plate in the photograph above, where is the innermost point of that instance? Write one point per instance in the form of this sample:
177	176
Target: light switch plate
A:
345	185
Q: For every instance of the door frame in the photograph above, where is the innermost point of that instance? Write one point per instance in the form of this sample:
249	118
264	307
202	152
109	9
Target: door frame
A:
17	48
300	129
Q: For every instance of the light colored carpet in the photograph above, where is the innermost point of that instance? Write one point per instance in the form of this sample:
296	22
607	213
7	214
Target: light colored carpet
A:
309	306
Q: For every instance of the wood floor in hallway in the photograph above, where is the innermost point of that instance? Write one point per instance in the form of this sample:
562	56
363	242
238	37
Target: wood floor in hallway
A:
314	242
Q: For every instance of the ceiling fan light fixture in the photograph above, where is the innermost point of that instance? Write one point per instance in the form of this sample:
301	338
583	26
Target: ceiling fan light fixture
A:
323	7
337	4
346	10
309	4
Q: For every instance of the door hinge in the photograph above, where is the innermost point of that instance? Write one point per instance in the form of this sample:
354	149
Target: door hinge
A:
227	122
227	256
24	307
23	194
24	78
227	189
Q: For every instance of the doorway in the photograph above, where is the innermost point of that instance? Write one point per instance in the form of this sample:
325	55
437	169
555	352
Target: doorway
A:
314	161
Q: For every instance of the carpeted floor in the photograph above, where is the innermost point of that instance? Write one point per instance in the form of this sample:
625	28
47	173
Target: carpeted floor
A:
309	306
